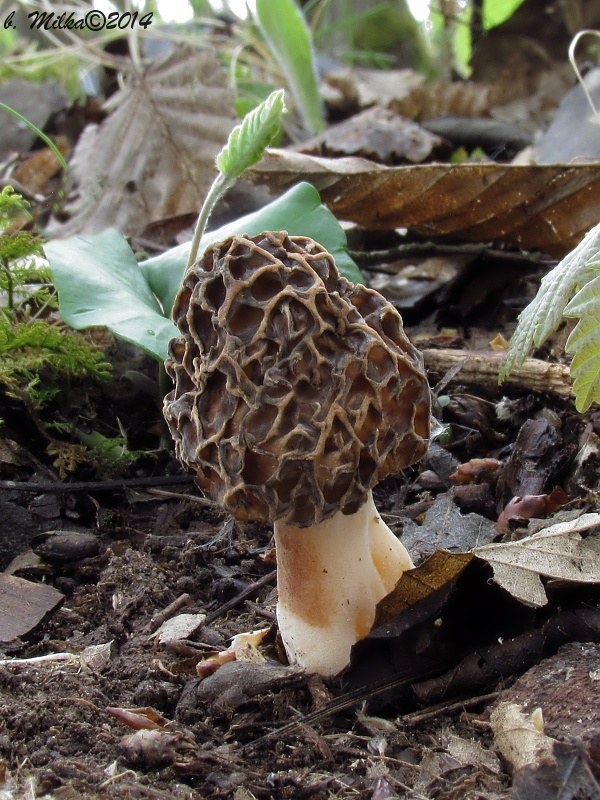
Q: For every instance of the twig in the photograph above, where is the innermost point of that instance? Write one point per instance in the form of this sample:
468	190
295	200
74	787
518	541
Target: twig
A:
431	713
95	486
239	599
10	662
348	700
482	369
161	616
425	249
193	498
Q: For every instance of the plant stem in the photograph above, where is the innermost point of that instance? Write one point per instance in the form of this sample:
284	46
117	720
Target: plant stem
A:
164	386
10	287
220	186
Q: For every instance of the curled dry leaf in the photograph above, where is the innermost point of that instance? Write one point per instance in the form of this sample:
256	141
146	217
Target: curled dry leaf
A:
530	506
477	470
568	550
543	207
154	155
151	749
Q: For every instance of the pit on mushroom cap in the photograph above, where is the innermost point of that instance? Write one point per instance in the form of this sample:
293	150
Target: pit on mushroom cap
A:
295	393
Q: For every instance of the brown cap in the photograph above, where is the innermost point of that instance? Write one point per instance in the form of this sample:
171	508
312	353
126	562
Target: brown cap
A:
295	390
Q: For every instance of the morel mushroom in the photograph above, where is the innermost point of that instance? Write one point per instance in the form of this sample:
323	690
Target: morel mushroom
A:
295	393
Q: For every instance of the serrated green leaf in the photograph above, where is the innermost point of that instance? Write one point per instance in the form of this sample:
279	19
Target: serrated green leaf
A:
298	211
248	140
99	282
545	312
584	344
285	31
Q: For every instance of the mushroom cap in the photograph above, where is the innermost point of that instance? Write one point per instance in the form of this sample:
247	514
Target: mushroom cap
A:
296	391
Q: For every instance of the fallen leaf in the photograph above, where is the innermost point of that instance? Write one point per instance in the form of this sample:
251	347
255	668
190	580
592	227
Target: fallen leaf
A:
151	749
559	551
432	582
153	156
477	470
379	134
445	528
573	134
180	627
351	86
541	207
568	774
530	506
97	657
564	687
23	605
146	719
36	171
36	102
470	751
519	736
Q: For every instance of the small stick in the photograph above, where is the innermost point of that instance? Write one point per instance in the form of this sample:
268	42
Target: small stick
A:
481	368
426	249
430	713
9	662
239	599
96	486
161	616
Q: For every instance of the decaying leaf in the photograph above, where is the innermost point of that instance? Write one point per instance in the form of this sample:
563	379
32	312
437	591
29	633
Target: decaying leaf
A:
565	686
520	737
543	207
24	605
560	551
181	626
446	528
530	506
379	134
434	577
153	156
151	749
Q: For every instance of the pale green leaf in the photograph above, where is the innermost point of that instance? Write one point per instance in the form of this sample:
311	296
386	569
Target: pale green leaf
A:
545	312
584	344
99	282
248	140
495	12
285	31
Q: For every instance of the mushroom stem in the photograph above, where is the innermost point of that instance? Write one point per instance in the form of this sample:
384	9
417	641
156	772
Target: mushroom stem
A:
330	578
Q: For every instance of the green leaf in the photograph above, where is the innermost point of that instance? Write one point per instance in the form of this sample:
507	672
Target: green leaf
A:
584	344
543	315
298	211
285	31
248	140
495	12
100	282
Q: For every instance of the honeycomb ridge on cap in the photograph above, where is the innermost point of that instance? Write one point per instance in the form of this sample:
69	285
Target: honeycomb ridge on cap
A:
296	391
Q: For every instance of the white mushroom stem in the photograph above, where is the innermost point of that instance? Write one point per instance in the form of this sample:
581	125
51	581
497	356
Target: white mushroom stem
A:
330	578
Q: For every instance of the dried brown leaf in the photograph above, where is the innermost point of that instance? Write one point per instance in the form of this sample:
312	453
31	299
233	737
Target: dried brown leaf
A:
24	605
559	551
379	134
541	207
153	156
